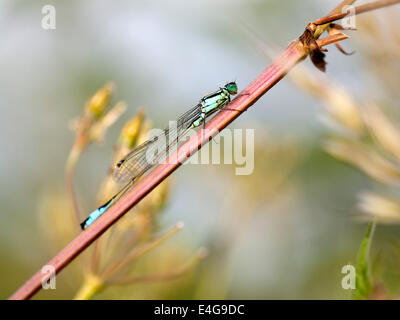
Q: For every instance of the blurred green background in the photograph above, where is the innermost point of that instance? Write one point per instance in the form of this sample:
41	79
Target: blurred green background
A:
284	232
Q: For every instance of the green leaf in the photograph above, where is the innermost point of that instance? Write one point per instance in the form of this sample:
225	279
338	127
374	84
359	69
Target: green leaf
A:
363	278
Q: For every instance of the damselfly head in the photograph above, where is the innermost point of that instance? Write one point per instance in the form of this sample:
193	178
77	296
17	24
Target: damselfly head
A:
231	87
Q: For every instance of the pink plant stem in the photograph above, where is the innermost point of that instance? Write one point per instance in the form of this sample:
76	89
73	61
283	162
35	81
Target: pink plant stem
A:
265	81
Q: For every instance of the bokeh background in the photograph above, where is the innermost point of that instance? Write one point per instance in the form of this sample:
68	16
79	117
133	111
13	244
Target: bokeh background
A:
284	232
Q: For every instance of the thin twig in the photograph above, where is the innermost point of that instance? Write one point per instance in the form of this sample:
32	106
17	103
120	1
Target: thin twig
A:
125	260
293	54
171	275
69	181
331	39
357	10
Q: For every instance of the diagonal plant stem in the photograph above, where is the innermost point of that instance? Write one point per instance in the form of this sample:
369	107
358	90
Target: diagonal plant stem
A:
293	54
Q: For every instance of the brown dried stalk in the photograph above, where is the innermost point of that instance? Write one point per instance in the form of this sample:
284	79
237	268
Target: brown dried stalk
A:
357	10
297	51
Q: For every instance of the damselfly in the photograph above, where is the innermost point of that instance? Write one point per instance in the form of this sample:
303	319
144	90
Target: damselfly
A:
142	158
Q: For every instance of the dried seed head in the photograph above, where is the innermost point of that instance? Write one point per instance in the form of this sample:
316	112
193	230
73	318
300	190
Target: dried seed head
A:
131	130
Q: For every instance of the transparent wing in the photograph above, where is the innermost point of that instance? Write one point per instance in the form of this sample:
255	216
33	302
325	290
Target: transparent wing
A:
149	153
131	165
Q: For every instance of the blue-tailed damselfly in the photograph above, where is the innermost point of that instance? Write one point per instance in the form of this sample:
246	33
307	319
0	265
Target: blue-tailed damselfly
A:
142	158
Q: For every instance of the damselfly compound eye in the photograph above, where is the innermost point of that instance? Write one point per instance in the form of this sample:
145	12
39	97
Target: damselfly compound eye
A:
232	87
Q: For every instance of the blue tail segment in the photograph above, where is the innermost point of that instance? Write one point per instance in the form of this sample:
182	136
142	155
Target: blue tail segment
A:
95	215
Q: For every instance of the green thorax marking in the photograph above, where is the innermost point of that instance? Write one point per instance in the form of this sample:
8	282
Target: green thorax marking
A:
214	101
